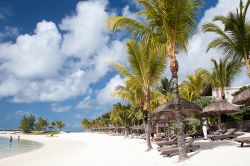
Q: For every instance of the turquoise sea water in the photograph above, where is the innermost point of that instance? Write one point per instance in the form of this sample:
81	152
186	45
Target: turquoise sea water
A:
16	147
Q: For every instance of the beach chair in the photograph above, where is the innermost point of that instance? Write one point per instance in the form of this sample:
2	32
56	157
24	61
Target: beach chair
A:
142	136
173	150
243	140
229	134
165	142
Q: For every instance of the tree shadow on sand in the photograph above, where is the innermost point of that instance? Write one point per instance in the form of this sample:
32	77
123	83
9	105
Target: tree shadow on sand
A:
209	145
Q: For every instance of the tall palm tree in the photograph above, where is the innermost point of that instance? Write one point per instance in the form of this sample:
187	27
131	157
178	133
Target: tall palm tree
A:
146	65
234	39
133	92
222	75
170	24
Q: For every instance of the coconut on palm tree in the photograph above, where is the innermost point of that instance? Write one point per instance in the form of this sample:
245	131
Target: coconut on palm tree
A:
234	37
169	24
146	65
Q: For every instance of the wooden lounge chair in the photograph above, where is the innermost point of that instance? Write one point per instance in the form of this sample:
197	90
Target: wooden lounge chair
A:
165	142
142	136
170	151
229	134
243	140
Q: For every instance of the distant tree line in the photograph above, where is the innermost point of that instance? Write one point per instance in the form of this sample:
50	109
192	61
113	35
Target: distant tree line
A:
28	123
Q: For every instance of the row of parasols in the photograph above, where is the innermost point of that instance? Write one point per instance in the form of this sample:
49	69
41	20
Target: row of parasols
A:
165	113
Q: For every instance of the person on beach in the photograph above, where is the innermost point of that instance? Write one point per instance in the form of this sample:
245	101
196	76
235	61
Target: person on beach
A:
10	140
18	138
204	127
152	131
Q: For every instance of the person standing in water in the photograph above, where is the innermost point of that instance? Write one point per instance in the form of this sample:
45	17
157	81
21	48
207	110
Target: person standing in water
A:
18	138
10	139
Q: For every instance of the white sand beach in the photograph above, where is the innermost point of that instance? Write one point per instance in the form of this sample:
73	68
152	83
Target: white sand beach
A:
88	149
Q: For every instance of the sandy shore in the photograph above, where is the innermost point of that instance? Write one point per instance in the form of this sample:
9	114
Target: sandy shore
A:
85	149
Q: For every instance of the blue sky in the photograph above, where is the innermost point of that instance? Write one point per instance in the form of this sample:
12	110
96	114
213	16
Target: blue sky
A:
53	56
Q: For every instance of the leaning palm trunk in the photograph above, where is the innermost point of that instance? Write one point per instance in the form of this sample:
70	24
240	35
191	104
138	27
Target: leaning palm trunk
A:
147	97
179	116
247	62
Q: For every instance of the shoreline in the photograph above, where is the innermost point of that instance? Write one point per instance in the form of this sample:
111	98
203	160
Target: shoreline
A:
92	149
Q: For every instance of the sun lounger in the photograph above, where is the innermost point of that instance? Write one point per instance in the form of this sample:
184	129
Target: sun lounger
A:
165	142
142	136
243	140
173	150
229	134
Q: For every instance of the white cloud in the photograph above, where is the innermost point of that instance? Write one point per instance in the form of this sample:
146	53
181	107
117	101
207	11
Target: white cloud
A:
57	108
8	32
18	114
104	96
53	66
86	29
197	56
33	56
4	13
86	103
127	12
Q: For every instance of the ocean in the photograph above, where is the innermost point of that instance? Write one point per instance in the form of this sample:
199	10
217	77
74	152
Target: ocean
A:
16	147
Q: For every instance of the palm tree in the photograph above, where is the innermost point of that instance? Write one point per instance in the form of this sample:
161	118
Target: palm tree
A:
132	91
169	24
122	115
146	65
85	123
186	91
60	124
165	89
234	39
222	75
193	86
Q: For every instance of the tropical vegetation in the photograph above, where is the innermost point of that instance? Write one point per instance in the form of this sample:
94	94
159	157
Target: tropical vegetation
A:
158	37
234	35
28	124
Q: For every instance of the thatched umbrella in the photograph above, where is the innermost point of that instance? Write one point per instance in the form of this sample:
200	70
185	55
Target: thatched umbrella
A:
166	112
242	98
219	107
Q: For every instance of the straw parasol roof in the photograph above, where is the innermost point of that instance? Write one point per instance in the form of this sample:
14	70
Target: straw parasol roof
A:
219	107
166	112
163	116
243	98
185	106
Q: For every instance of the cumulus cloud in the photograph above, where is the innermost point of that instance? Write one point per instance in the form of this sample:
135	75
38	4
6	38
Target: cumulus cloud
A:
33	56
8	32
58	108
197	56
86	103
52	66
86	29
104	96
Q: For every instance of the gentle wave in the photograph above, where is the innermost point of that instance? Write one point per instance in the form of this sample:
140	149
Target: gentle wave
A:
16	147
